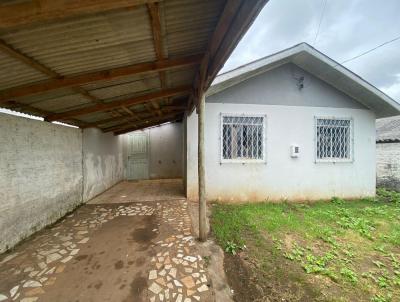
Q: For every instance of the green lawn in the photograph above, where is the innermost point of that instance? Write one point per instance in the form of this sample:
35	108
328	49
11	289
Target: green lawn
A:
342	250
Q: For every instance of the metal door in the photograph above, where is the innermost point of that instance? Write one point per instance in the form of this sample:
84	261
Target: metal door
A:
138	158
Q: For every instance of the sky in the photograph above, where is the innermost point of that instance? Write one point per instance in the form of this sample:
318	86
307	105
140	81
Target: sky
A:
347	29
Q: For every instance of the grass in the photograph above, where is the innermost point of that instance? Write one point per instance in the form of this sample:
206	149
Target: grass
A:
338	245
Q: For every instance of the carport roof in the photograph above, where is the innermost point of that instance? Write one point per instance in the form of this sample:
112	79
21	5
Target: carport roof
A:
321	66
120	65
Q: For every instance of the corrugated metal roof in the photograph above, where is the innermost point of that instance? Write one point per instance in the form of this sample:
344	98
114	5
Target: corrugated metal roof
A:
114	38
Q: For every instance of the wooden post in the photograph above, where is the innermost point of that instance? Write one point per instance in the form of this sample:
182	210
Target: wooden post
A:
201	171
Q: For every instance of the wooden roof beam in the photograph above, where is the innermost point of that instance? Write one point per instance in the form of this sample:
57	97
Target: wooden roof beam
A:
16	54
154	13
20	107
235	19
74	81
179	91
24	13
131	122
159	121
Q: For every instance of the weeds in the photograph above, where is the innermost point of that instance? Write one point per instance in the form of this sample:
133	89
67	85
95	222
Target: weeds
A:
353	243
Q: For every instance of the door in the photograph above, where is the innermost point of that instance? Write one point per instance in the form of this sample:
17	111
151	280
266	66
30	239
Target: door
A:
138	156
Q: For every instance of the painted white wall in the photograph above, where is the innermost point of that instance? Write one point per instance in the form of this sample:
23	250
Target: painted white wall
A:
283	177
103	161
40	175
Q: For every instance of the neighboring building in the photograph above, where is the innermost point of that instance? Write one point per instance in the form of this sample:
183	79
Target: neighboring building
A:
295	125
388	153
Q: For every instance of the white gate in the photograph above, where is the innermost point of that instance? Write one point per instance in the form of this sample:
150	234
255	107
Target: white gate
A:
138	157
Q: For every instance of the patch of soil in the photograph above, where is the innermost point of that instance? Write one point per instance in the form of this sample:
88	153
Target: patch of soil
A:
271	279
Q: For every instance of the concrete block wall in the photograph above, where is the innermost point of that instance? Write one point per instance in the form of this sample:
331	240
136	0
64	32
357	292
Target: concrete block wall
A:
103	161
388	165
47	170
40	175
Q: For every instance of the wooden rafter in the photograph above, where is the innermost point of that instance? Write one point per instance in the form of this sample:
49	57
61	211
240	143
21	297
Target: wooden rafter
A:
157	121
130	112
74	81
16	54
129	123
179	91
13	105
134	115
154	13
234	21
26	12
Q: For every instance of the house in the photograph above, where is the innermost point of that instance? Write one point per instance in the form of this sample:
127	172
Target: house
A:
295	125
388	153
107	68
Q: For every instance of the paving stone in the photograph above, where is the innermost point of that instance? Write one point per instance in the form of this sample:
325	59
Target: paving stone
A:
14	290
172	272
202	288
16	296
32	283
177	283
179	298
53	257
34	292
65	260
155	288
188	282
84	240
152	274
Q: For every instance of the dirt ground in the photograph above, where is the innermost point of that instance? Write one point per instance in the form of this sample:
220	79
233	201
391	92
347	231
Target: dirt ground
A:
111	251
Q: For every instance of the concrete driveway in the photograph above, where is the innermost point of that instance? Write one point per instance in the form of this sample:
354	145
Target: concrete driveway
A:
111	250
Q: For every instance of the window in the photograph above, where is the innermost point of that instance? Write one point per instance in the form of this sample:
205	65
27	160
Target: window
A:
333	136
242	138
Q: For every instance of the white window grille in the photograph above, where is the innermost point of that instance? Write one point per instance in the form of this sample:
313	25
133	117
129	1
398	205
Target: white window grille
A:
242	138
333	139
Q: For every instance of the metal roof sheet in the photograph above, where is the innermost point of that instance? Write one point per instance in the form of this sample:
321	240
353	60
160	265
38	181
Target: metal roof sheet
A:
44	50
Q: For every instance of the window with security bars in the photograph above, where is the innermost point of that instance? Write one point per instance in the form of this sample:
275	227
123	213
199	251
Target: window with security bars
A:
242	138
333	139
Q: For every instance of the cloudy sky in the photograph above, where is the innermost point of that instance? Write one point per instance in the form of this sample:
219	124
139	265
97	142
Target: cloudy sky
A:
348	28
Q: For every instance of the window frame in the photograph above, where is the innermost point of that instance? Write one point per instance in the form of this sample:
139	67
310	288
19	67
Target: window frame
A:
351	140
264	139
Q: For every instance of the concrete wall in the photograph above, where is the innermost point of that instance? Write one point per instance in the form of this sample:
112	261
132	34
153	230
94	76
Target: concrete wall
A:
281	176
165	151
103	158
388	165
40	175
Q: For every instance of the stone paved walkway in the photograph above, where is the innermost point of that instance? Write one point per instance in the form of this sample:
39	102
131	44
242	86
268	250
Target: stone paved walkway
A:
132	251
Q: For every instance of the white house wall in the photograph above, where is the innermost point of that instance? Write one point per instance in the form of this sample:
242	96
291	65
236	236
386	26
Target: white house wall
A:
283	177
103	158
290	118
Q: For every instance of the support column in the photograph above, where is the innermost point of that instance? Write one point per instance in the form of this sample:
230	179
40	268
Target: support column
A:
201	171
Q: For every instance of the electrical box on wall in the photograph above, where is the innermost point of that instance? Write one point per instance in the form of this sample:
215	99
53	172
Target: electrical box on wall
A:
294	151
